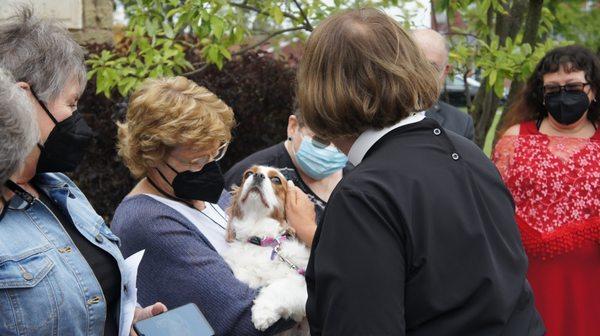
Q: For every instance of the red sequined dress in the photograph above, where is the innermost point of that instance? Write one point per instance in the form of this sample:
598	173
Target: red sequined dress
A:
555	182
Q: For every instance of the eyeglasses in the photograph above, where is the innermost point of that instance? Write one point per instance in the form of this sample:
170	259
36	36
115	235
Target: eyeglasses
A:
437	67
570	87
220	152
203	160
317	141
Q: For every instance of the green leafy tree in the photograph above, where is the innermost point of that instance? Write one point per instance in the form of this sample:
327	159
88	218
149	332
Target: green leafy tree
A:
502	40
578	21
161	34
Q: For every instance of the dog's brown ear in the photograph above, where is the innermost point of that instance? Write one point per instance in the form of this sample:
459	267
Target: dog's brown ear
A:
279	215
230	237
233	211
234	207
291	231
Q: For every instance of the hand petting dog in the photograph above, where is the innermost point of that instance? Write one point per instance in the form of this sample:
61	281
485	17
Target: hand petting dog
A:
300	214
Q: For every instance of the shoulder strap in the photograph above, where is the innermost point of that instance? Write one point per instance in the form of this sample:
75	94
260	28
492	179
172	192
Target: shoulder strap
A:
596	135
528	128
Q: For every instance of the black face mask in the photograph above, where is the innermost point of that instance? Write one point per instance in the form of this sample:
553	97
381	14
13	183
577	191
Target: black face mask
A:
66	143
204	185
567	107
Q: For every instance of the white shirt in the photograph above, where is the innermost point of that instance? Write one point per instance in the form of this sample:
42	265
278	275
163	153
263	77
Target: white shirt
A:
211	222
368	138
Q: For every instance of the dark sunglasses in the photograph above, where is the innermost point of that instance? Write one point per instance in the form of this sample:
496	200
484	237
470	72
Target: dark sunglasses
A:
571	87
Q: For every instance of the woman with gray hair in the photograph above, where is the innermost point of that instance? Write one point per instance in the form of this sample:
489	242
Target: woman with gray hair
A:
61	271
18	130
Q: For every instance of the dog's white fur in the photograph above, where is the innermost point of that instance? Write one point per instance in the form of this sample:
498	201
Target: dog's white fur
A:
260	213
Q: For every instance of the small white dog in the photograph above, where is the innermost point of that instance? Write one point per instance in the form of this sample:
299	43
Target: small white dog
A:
263	254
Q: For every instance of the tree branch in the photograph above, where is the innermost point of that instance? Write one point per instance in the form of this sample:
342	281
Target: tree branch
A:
196	71
534	15
267	38
245	49
309	27
532	23
259	11
490	23
461	34
188	44
517	12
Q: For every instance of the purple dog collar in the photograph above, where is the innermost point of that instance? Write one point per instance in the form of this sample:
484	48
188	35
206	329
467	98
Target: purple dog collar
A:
275	243
267	241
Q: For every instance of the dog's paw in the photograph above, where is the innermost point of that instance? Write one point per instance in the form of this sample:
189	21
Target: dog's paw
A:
298	316
264	316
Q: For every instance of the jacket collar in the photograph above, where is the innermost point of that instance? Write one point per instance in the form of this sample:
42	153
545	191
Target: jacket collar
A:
368	138
47	181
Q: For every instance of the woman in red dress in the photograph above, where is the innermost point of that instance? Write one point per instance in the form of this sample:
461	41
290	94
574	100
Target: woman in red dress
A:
549	158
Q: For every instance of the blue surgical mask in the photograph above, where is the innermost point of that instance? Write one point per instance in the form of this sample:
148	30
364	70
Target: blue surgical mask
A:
319	162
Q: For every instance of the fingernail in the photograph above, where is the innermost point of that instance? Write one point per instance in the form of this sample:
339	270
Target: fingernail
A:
290	183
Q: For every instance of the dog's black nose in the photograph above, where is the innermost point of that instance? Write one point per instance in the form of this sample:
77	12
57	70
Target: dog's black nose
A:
258	177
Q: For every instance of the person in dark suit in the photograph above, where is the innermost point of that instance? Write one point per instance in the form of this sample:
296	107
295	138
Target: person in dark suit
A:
452	119
435	48
420	237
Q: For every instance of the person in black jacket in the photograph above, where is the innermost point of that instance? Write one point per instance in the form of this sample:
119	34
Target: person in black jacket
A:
420	237
435	48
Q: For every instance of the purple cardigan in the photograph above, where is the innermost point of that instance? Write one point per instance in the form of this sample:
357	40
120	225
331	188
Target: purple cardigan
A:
181	266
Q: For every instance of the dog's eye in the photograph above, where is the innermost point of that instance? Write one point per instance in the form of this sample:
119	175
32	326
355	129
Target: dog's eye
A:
276	180
248	174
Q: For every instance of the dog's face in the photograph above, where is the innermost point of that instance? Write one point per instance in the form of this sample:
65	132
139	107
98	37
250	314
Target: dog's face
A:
261	194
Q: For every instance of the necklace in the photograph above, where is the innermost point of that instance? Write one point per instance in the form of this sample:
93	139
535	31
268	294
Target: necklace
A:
217	211
188	204
212	220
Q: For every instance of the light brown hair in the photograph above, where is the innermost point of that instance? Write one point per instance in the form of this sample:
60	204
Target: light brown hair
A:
168	112
361	70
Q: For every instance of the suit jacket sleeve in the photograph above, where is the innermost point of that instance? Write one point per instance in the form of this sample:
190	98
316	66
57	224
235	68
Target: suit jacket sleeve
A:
358	247
470	130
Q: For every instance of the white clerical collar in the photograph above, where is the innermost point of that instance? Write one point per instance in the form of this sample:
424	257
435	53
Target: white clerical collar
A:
369	137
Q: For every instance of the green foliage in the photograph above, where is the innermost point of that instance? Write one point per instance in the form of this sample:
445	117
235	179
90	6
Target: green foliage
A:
513	61
161	58
503	40
476	44
578	21
161	34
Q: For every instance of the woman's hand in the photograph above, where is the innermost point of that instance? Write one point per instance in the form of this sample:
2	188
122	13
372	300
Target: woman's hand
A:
148	312
300	213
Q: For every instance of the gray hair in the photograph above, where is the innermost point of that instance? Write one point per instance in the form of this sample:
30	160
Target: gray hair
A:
432	39
18	127
42	53
431	36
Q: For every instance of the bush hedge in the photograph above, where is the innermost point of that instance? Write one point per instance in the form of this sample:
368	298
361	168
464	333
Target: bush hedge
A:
259	88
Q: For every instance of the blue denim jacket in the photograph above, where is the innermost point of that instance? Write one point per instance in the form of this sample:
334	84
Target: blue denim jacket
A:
46	285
